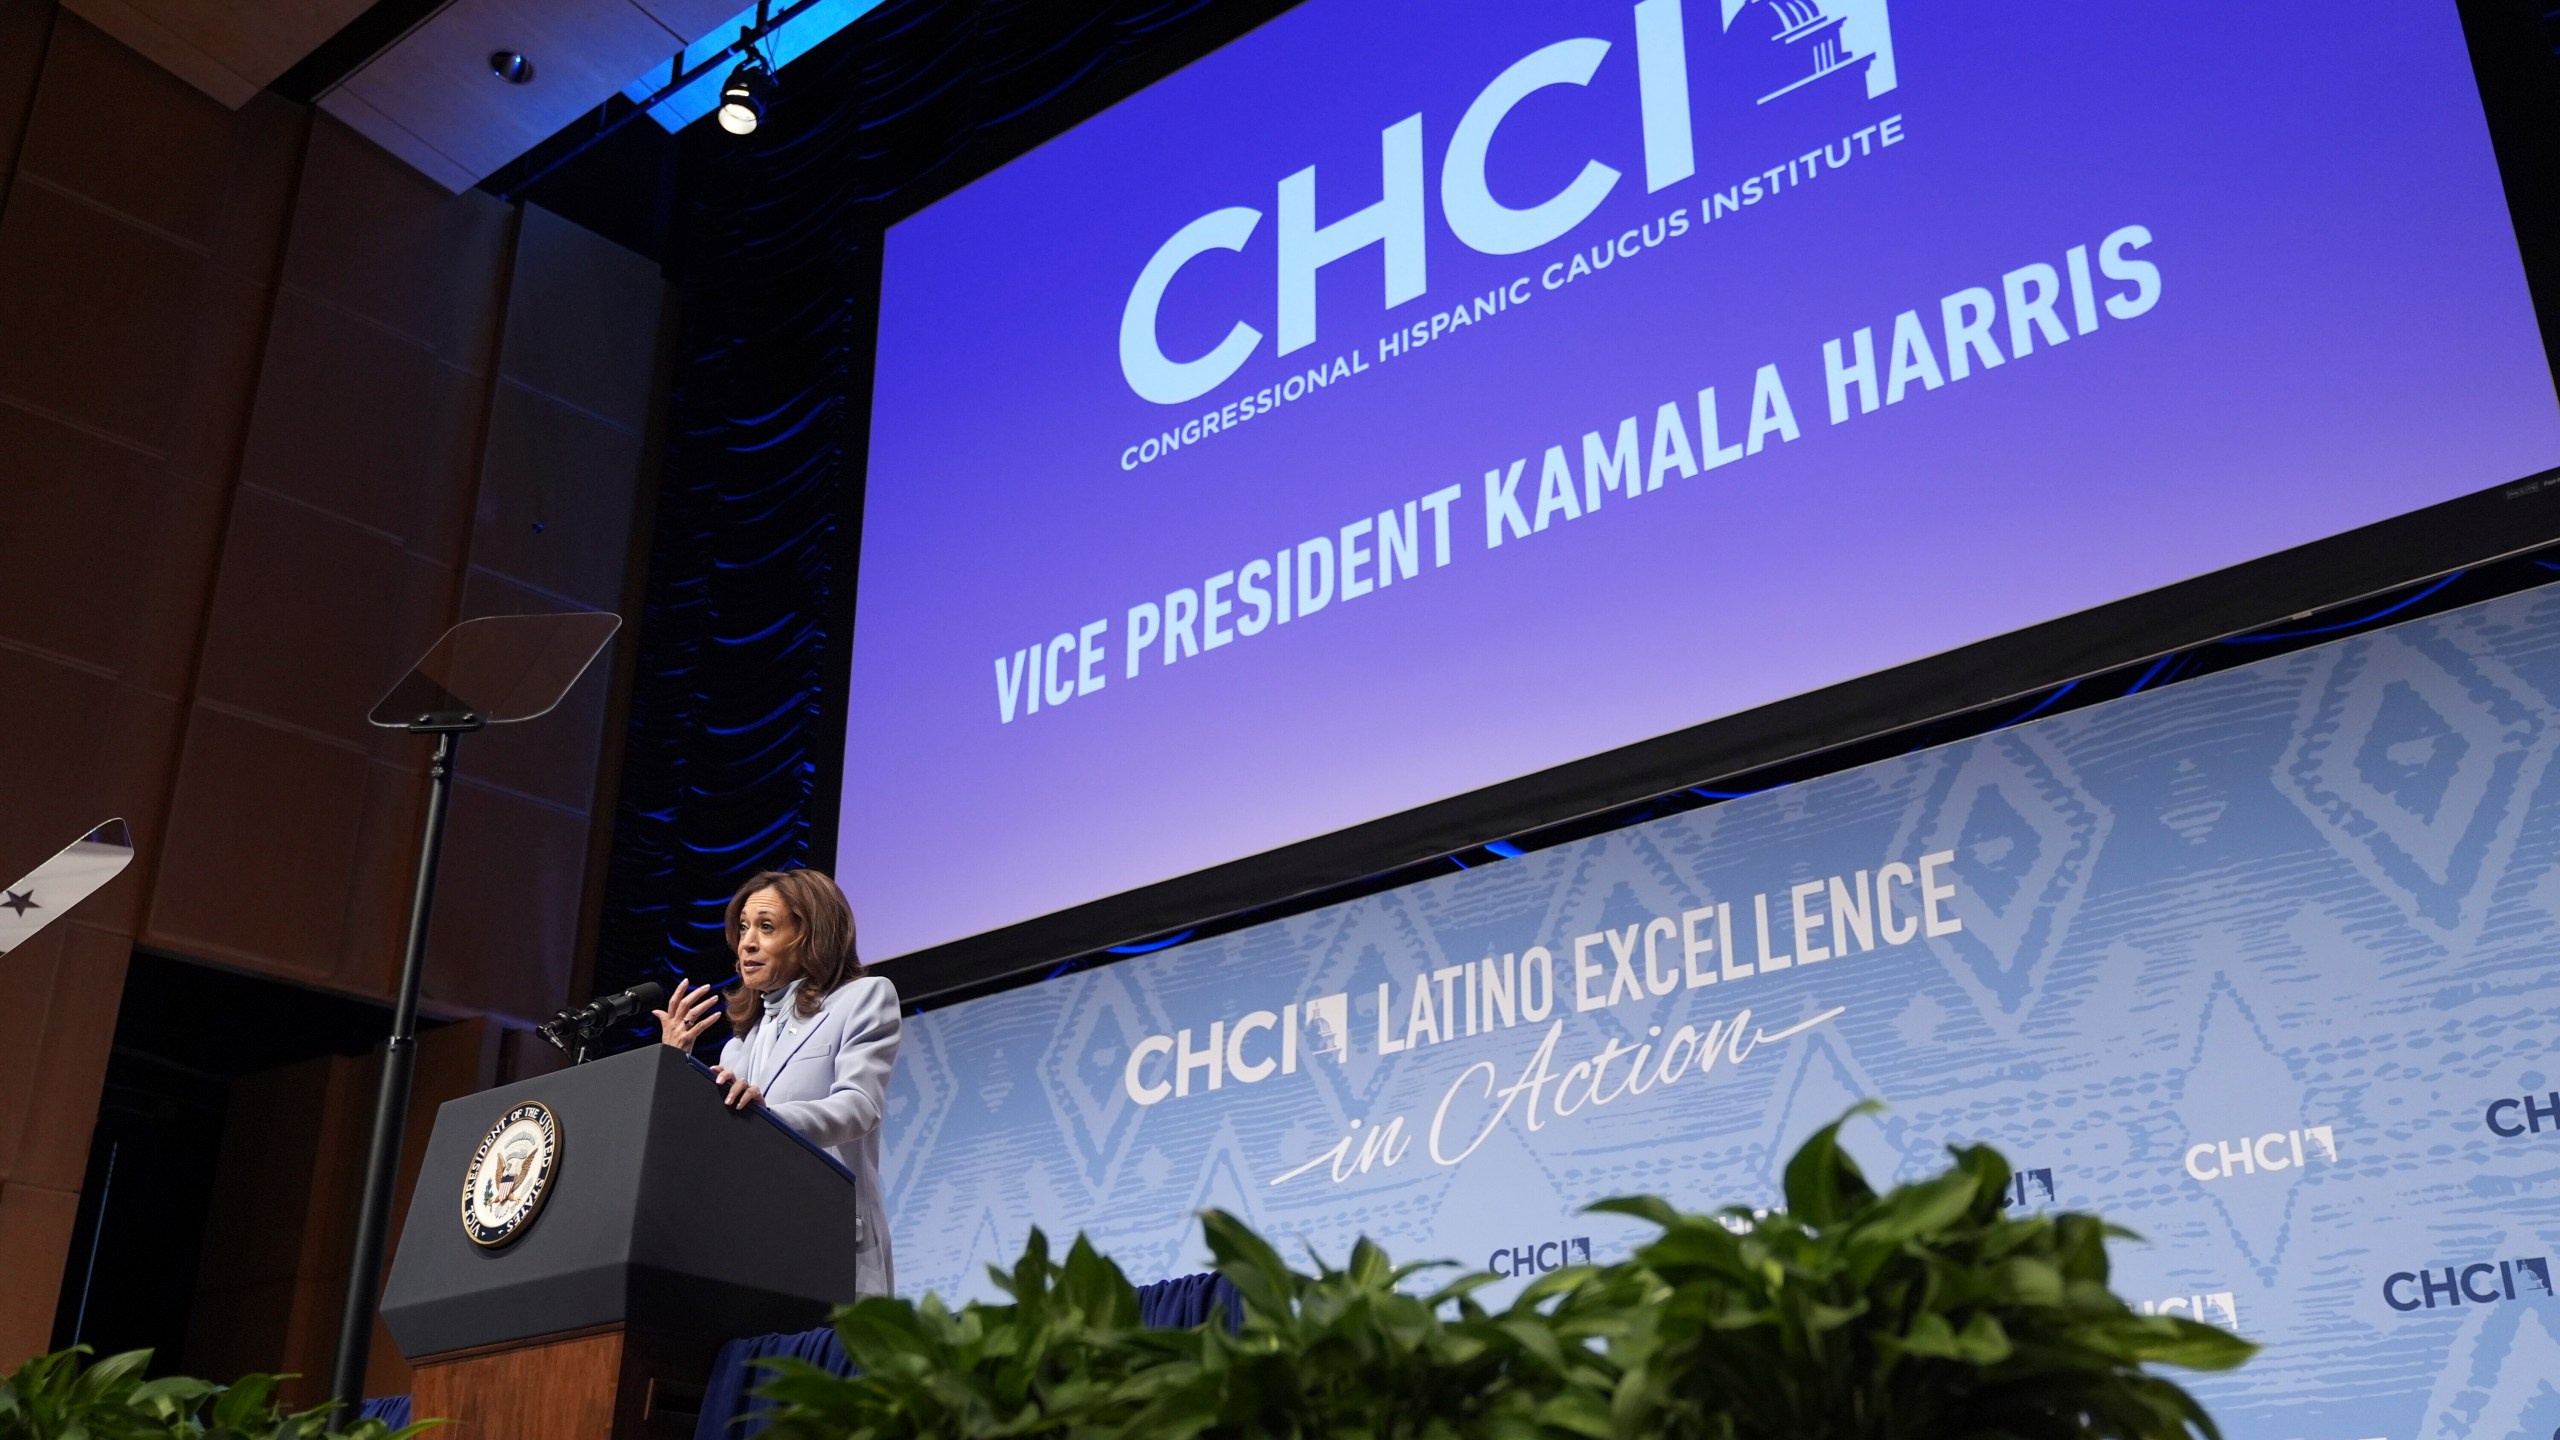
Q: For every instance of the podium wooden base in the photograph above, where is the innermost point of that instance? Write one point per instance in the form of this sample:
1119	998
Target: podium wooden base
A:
603	1384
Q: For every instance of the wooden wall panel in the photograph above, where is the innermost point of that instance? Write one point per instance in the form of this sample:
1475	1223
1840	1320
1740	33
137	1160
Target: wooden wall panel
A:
53	1144
131	752
283	410
26	988
25	31
252	1301
56	713
92	486
166	186
580	325
116	306
35	1235
292	1153
552	531
80	975
380	430
102	314
501	850
385	871
372	238
301	619
553	515
259	851
35	1220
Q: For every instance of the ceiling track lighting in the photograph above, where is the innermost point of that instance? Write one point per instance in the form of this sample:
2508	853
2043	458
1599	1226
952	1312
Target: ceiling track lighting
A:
748	92
617	112
746	95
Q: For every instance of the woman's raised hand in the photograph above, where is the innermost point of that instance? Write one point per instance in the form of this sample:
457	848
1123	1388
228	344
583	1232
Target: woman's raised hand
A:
689	1012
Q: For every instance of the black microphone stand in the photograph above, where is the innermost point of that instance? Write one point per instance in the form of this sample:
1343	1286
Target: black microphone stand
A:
579	1027
568	1034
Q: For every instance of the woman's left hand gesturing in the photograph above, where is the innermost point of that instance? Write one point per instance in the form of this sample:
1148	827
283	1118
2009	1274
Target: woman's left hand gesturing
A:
690	1011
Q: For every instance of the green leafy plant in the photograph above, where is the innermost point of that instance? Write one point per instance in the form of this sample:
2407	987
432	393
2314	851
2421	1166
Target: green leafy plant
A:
1340	1352
1352	1352
1060	1359
1925	1311
56	1397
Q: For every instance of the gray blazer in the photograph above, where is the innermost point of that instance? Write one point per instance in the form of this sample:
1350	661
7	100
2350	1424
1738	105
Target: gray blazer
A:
830	1082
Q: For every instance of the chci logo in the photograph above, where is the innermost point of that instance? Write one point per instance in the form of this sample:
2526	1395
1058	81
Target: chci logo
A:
2030	1187
2513	1117
1750	57
2485	1282
2211	1160
2214	1307
1538	1258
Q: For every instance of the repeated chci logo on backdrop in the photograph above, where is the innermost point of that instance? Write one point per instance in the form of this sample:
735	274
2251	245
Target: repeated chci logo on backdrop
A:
2260	967
2520	1117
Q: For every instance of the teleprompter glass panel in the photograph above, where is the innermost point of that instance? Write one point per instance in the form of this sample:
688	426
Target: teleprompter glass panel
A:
496	670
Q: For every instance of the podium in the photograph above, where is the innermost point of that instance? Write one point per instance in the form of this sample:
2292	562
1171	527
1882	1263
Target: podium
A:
644	1222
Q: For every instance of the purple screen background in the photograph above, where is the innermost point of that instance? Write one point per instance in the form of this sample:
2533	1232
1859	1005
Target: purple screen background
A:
2343	335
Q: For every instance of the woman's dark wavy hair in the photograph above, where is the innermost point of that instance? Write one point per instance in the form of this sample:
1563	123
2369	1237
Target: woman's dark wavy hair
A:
823	956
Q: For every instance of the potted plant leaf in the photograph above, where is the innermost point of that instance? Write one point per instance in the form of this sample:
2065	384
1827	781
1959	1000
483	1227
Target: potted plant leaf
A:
57	1397
1924	1311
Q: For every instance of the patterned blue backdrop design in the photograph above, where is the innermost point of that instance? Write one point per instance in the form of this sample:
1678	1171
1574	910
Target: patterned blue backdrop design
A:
2265	966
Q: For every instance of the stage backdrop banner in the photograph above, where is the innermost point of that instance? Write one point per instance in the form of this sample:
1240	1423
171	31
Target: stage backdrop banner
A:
1415	396
2265	966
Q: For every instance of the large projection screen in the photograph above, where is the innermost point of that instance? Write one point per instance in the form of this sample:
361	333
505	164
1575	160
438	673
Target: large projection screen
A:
1410	398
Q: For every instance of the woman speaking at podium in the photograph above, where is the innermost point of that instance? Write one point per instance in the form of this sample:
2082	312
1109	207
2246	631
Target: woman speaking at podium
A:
812	1038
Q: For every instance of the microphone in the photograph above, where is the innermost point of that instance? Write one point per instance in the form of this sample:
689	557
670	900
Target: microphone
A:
585	1022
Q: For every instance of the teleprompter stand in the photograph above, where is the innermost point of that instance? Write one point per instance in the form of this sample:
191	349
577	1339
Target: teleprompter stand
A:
500	670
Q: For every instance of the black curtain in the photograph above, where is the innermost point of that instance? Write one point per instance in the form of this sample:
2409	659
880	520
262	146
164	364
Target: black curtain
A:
737	721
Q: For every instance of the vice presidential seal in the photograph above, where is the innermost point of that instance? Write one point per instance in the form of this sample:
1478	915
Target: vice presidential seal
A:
511	1174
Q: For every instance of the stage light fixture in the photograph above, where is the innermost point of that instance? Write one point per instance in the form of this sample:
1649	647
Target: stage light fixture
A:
512	66
746	96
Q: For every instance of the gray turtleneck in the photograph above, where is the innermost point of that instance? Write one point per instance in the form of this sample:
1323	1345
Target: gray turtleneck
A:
770	1040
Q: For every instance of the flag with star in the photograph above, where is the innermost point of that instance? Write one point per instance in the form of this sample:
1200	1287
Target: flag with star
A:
52	888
